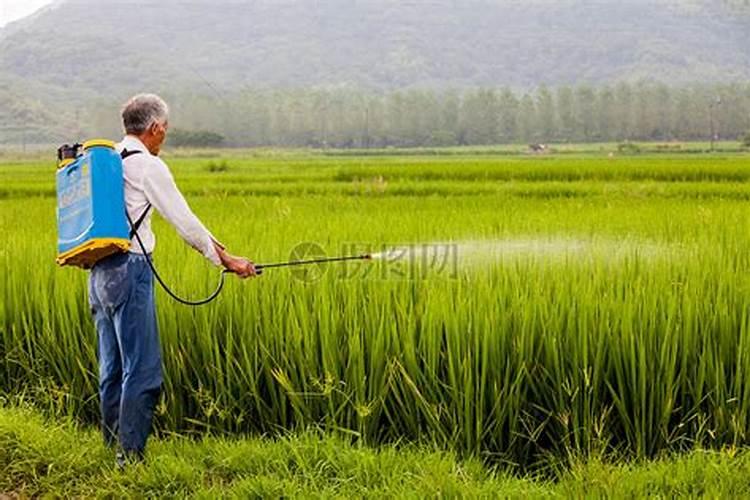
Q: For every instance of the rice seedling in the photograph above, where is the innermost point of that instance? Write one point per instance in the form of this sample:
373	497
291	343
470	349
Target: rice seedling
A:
579	304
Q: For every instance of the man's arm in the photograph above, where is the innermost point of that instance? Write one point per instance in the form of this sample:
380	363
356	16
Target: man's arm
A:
166	198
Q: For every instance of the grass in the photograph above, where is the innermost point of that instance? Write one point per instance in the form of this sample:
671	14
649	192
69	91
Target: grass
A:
41	152
636	346
681	176
40	457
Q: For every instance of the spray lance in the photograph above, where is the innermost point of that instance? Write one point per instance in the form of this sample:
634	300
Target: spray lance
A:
292	263
258	267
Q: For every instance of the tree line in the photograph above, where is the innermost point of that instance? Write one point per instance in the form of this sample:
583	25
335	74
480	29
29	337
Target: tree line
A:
357	118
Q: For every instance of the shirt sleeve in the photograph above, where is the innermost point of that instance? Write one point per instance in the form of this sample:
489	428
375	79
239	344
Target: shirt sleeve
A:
162	192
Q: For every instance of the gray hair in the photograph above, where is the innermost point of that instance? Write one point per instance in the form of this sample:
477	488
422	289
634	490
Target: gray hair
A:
141	111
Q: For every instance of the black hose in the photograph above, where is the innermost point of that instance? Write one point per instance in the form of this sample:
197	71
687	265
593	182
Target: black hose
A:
259	268
164	285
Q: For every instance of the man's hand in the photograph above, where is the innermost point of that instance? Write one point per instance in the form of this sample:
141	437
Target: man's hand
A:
242	267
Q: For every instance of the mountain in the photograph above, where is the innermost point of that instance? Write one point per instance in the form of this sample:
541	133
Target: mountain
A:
76	51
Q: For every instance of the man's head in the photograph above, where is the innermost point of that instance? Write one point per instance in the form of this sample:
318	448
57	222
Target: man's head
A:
146	116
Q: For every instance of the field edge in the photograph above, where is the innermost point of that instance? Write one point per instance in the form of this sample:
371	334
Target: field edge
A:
41	456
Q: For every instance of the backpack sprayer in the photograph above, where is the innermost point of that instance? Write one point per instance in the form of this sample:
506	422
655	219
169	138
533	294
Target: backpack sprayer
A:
93	223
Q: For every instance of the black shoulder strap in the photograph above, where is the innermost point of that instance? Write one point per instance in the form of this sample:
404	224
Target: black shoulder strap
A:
139	221
125	154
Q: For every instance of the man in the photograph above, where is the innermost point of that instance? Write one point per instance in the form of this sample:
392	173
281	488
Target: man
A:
121	290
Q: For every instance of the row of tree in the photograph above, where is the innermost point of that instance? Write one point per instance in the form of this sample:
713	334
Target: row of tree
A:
425	117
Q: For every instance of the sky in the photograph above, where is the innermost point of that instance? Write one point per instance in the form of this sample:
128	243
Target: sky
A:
10	10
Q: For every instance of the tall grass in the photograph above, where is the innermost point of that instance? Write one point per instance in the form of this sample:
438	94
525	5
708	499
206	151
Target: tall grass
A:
636	351
43	458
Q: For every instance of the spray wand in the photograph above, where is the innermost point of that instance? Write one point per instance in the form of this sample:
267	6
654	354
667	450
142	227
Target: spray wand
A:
258	267
292	263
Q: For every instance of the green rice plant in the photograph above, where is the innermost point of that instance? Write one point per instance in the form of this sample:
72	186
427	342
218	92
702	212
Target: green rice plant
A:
594	305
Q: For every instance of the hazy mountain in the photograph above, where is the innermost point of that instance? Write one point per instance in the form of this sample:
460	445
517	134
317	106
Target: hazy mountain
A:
74	51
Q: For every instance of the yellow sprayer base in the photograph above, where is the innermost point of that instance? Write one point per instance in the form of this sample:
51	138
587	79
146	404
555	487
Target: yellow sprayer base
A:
90	252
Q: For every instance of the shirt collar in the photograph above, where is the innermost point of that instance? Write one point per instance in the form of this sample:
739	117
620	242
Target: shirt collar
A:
132	143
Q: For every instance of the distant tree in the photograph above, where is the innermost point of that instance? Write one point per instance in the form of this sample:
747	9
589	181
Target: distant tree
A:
642	112
447	133
423	116
375	122
480	116
664	109
628	148
624	127
746	140
545	115
395	119
606	114
527	119
507	111
734	112
345	117
584	112
689	121
652	111
566	114
740	5
195	138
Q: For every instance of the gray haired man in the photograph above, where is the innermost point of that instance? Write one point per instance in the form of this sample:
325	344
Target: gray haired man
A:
121	290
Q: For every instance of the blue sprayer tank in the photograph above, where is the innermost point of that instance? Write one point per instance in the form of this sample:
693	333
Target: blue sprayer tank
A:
91	222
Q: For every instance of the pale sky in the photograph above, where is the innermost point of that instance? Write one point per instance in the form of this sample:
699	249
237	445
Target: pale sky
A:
10	10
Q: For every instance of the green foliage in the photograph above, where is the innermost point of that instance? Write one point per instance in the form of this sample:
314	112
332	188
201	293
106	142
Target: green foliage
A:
739	5
217	166
346	118
745	140
628	148
42	458
608	312
194	138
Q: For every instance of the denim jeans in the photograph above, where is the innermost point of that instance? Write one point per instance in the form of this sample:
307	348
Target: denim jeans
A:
121	294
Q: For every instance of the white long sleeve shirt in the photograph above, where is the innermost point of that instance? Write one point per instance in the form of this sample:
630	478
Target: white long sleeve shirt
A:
148	180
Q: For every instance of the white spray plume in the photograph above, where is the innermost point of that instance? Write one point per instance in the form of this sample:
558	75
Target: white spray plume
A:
488	251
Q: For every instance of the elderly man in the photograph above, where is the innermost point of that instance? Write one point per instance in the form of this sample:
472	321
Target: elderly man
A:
121	286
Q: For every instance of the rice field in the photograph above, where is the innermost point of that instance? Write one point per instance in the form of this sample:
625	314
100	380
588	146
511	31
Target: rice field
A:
521	309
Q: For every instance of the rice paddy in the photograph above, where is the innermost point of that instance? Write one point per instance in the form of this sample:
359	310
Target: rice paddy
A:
519	310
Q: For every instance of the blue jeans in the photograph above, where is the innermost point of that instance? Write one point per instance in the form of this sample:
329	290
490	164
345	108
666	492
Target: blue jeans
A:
121	294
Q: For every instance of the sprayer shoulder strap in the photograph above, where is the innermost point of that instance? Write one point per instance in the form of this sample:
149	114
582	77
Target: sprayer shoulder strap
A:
125	154
138	223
